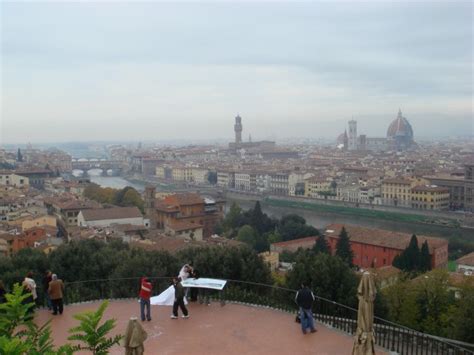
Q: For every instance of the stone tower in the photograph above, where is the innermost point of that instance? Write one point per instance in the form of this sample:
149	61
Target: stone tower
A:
150	212
352	135
238	129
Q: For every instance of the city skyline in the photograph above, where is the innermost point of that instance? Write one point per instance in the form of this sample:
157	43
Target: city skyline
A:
161	71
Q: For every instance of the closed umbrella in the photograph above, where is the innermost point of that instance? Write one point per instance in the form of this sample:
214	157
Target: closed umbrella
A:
134	338
364	340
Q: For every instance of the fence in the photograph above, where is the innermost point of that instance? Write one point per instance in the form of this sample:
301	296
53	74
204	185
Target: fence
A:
388	335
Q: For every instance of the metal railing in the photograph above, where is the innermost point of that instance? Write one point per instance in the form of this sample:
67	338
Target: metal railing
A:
388	335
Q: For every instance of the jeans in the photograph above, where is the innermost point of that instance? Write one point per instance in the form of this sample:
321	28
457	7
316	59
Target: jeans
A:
307	321
179	302
145	304
57	306
49	304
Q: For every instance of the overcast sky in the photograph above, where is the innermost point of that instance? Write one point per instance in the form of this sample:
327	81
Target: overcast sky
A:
153	70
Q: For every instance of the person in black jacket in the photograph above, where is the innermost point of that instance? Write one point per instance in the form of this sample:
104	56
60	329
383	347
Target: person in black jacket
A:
3	292
304	299
178	299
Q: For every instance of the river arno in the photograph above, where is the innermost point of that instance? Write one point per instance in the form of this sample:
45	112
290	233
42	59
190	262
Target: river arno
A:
116	182
321	220
317	219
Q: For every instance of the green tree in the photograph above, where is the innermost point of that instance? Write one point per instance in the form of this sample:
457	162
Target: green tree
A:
247	235
462	318
231	220
92	335
236	263
343	248
293	227
273	237
321	245
401	301
328	275
425	258
409	259
19	334
257	218
434	299
133	198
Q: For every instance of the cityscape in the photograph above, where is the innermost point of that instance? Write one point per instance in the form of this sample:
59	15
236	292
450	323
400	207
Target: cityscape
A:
118	177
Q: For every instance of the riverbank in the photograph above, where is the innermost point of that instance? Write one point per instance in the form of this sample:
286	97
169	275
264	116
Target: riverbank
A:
364	212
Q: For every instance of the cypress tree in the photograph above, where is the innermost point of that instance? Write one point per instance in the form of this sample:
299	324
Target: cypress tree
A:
412	255
257	218
321	245
343	248
425	258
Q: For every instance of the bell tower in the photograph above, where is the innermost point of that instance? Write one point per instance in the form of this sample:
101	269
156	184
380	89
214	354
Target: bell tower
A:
238	129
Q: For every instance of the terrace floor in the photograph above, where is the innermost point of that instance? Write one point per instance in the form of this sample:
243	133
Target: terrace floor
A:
215	329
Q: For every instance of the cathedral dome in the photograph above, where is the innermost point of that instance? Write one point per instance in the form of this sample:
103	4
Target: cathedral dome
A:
400	127
342	138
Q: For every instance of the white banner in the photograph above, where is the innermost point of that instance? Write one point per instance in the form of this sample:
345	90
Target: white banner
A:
214	284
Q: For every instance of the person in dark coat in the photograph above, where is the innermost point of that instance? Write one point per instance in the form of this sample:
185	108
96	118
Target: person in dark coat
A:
178	299
3	292
304	299
194	290
46	280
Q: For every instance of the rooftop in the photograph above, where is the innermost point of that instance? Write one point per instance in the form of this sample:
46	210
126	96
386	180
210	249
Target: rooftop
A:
111	213
384	238
214	329
466	259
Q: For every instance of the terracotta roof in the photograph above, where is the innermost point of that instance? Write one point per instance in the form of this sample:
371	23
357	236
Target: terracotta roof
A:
397	181
466	259
295	241
183	225
183	199
111	213
383	238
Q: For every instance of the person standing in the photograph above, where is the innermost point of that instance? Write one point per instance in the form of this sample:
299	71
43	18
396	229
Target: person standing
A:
185	272
304	299
3	292
178	299
56	291
194	290
29	286
46	280
145	293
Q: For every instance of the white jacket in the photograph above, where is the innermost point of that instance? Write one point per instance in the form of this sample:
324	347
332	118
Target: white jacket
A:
31	285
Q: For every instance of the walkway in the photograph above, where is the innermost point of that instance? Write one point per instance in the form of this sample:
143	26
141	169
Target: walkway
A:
231	329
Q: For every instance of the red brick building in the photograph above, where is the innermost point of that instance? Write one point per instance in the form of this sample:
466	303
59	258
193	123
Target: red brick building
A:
378	248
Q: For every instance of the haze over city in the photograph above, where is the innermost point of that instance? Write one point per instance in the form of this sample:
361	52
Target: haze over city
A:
157	71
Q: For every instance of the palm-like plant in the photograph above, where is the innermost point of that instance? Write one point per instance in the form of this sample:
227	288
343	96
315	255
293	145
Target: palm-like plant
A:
92	334
19	335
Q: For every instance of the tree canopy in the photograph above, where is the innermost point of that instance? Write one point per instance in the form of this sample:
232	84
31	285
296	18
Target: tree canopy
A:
343	248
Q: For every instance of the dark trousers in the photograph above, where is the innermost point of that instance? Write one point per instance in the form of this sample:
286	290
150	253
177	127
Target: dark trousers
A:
179	302
194	294
145	304
57	306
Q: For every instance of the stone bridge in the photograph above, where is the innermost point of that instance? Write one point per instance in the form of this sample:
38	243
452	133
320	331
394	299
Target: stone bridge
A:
87	164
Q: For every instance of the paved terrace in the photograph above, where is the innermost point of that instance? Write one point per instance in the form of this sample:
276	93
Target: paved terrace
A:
214	329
